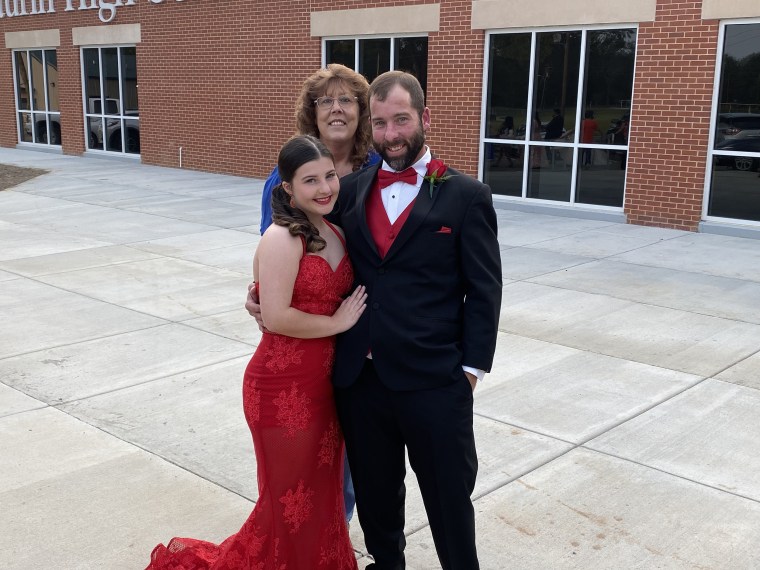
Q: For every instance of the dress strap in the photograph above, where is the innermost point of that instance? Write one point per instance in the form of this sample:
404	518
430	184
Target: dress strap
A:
337	233
303	243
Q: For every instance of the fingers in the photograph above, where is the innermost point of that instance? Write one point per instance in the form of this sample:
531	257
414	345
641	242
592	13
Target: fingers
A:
357	300
353	306
359	294
251	307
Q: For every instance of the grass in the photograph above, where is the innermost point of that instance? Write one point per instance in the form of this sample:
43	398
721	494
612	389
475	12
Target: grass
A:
11	176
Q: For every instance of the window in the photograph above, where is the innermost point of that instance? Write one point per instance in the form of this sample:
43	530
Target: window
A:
111	116
373	56
558	107
37	103
732	181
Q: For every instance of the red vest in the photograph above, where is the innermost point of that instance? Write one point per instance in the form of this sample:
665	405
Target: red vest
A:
383	232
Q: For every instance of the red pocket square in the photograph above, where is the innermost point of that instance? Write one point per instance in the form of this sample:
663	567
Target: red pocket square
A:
444	230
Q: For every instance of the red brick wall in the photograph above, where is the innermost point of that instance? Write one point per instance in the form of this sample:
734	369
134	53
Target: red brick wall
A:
222	83
220	80
455	86
670	121
217	79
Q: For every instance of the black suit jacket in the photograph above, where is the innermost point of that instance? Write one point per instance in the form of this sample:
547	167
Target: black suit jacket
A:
434	300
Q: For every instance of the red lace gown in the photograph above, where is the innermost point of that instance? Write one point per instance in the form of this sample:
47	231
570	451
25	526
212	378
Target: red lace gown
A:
298	522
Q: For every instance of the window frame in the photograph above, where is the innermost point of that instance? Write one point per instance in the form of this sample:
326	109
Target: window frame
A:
103	116
714	114
31	111
526	143
357	38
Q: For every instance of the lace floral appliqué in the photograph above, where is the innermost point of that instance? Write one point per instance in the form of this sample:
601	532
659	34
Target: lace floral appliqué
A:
328	445
298	506
292	410
283	353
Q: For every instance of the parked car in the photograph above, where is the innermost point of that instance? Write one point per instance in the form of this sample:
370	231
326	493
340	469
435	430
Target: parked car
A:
737	125
41	130
740	144
113	127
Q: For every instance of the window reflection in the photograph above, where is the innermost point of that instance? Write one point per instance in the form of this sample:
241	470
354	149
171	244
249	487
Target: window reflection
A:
129	80
37	81
601	177
566	141
51	70
609	82
37	101
111	90
91	64
503	168
734	188
409	54
507	104
25	127
551	181
110	59
22	79
95	133
374	57
340	51
555	89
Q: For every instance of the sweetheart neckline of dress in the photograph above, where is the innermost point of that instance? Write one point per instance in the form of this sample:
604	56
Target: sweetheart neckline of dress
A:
342	259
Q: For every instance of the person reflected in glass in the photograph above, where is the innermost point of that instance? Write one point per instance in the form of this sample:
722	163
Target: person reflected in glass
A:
535	135
555	128
589	128
506	131
620	136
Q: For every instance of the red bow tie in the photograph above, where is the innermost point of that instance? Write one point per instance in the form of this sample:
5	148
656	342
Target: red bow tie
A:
386	177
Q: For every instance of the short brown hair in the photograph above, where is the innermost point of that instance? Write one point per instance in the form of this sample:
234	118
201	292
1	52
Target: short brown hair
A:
384	82
317	85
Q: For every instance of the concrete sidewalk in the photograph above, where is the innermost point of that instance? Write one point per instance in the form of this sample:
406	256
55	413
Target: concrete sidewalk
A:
618	429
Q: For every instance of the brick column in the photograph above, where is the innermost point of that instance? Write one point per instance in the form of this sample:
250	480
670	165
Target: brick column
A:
454	86
670	124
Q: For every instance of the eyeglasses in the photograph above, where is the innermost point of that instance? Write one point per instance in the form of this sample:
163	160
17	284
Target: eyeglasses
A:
327	102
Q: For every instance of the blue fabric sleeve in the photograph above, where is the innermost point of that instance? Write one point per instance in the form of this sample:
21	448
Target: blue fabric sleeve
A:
372	158
266	199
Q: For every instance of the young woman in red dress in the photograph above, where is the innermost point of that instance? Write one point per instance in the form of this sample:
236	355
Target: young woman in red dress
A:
304	277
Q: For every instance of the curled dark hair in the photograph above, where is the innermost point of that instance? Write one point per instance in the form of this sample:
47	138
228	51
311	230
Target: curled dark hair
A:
317	85
293	155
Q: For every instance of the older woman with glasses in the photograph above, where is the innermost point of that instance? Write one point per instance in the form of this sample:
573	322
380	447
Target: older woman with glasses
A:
332	106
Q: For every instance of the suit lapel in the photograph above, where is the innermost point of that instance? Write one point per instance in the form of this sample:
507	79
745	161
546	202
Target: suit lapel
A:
363	187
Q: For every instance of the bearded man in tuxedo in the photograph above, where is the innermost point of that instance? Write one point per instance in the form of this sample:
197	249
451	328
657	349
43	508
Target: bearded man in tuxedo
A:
422	238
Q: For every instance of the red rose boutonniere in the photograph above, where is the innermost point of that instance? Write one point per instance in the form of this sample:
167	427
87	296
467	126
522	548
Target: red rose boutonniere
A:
436	170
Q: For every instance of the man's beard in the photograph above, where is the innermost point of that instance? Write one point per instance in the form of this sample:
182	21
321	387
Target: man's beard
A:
413	147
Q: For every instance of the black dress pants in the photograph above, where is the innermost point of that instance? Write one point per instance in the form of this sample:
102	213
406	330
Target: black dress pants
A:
435	427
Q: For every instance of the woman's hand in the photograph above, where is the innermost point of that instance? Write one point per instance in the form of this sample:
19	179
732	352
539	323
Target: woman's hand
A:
351	309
